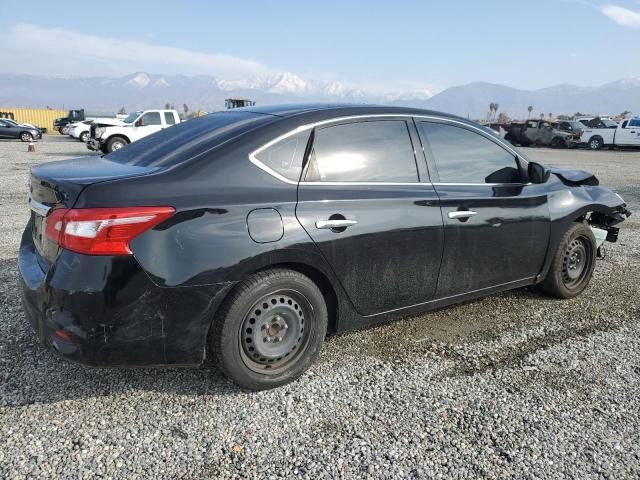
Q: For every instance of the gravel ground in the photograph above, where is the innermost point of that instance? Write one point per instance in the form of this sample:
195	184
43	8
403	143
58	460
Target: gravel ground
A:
515	385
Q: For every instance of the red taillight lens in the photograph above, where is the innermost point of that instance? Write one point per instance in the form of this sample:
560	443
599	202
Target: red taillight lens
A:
102	231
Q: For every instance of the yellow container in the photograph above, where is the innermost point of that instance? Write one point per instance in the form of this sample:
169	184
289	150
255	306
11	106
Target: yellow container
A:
40	117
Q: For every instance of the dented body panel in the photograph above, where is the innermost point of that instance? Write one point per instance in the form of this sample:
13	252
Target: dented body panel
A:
233	219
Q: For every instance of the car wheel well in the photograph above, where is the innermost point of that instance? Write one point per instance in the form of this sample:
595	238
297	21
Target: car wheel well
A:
323	283
118	135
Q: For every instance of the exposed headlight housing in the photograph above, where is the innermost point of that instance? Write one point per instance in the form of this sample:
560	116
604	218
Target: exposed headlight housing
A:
99	131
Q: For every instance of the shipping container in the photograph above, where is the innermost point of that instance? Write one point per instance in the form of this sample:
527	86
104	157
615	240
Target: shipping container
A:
40	117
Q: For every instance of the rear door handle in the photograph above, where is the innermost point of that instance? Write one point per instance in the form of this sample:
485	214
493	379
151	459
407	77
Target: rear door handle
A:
462	214
329	224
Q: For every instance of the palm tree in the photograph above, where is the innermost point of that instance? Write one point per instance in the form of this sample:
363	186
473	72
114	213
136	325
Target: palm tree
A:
491	107
541	116
529	109
495	110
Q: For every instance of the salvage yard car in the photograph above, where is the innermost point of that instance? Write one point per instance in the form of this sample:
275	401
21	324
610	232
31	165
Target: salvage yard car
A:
11	129
539	133
249	234
624	134
108	135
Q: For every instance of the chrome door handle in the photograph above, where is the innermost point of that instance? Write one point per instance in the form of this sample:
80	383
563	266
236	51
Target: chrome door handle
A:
335	223
461	214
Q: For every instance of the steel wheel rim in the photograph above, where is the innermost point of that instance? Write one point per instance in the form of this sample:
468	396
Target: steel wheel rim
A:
575	262
275	331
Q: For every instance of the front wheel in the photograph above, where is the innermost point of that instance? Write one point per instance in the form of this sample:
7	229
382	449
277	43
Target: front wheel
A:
270	329
573	263
596	143
116	143
26	137
84	137
558	142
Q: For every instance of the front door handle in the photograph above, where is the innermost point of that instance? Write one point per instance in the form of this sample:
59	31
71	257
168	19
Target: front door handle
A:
331	224
462	214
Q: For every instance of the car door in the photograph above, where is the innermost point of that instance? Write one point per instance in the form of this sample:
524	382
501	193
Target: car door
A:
148	123
366	201
496	226
629	133
5	129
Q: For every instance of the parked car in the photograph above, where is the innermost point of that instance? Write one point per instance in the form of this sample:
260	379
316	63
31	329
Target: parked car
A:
79	115
109	135
539	133
570	126
11	129
625	134
80	130
248	234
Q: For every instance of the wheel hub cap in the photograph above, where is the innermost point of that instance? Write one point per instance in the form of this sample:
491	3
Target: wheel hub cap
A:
574	262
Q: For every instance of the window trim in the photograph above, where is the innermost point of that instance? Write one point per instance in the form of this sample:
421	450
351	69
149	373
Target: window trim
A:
401	116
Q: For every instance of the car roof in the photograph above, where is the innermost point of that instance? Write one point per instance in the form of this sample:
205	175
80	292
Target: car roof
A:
342	109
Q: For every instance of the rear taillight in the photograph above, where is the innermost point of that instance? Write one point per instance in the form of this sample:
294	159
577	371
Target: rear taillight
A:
102	231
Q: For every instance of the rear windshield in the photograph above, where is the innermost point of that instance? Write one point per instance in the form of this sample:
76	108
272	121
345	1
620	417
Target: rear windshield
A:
179	143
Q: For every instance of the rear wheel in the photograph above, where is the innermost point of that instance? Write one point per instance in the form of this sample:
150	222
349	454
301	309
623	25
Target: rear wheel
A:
573	263
116	143
596	143
270	329
26	137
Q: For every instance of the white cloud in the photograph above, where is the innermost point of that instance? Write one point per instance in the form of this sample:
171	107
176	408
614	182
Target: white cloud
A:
622	16
33	49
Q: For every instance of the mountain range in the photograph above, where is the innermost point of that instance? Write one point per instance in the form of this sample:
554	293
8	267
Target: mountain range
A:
144	90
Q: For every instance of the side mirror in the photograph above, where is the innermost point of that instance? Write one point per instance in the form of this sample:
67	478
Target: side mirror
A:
538	173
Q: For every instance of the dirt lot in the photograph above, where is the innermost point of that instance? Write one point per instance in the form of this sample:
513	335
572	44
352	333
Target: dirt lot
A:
516	385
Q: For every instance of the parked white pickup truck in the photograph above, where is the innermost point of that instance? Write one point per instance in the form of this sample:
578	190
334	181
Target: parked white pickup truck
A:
625	134
109	135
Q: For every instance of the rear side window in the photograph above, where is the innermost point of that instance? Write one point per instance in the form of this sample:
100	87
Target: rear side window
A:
169	119
463	156
150	118
285	156
377	151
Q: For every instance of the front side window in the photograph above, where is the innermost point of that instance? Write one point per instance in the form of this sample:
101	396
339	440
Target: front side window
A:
169	119
150	118
634	123
285	156
375	151
463	156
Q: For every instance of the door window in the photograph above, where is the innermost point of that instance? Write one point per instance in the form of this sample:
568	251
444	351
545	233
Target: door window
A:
150	118
463	156
634	123
285	156
169	119
375	151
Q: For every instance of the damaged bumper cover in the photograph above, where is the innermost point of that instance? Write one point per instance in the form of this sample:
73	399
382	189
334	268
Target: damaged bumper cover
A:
133	322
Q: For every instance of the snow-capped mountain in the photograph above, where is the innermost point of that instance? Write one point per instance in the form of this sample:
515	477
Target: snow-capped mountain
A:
146	90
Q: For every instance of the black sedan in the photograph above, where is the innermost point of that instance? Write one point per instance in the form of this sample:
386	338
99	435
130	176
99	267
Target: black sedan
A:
250	234
11	129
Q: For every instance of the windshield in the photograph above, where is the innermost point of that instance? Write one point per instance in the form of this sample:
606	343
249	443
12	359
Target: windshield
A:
577	125
132	117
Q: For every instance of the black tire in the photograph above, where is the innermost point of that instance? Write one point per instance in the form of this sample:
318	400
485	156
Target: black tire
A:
84	137
116	143
60	130
595	143
509	138
558	142
573	263
26	137
244	333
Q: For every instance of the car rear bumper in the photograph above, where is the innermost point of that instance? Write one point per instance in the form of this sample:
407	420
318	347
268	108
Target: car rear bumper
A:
105	311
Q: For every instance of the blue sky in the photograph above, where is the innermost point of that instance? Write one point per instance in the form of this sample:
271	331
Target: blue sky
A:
379	46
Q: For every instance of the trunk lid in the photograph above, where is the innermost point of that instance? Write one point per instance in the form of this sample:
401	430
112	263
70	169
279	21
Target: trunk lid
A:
59	184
